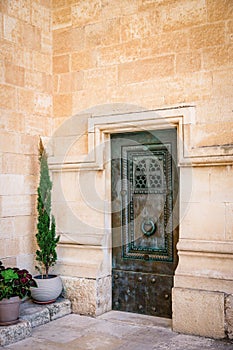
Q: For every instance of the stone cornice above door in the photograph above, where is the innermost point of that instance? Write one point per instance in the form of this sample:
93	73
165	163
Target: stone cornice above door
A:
100	126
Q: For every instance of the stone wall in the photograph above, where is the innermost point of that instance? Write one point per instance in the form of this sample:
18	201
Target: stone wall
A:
148	53
116	57
65	63
26	110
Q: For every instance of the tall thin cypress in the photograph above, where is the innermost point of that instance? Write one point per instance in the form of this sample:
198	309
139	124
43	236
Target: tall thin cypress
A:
46	237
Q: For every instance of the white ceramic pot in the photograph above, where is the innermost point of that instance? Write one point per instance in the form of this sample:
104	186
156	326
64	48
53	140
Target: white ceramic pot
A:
48	289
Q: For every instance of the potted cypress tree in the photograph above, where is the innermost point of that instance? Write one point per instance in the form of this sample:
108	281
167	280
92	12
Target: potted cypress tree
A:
49	285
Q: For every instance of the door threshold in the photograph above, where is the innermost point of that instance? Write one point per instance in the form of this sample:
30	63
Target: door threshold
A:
136	319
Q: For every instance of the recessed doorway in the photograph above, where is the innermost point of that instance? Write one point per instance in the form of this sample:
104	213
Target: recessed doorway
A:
145	185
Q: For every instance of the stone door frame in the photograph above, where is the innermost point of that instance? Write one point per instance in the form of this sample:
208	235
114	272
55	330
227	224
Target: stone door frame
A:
100	128
92	253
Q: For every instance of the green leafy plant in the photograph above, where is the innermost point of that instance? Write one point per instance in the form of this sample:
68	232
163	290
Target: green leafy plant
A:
15	282
46	237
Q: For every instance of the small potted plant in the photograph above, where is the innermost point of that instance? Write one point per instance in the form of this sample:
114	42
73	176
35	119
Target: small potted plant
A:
49	285
15	284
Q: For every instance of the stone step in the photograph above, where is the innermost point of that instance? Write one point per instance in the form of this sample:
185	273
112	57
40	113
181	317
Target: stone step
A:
33	315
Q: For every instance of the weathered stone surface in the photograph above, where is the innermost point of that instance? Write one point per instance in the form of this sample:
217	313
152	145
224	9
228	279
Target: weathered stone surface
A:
165	43
229	221
42	62
120	53
82	294
62	18
219	10
14	75
68	40
36	315
147	69
103	33
140	25
61	64
115	8
176	15
104	295
82	60
61	308
69	82
186	63
89	296
84	12
62	104
217	57
43	104
15	333
207	35
19	9
229	316
26	101
97	76
7	96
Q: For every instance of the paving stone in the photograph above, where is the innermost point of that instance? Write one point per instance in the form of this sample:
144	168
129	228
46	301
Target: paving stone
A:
95	341
35	344
114	331
61	332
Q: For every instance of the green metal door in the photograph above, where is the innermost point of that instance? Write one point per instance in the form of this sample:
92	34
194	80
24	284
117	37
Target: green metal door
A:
144	221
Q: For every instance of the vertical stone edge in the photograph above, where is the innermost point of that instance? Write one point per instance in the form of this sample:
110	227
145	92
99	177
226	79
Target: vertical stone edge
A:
229	315
104	295
59	309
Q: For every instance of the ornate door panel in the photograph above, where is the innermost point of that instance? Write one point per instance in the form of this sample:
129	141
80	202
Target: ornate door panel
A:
144	221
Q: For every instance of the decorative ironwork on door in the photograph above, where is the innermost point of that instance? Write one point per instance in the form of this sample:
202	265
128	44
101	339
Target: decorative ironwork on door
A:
147	202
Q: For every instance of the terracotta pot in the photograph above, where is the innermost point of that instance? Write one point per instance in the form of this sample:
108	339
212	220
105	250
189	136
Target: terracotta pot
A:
9	311
48	289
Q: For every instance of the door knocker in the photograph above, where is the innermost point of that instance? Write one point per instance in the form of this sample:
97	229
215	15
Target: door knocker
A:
148	227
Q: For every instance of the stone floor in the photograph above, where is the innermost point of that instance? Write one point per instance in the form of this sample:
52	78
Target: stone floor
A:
33	315
113	331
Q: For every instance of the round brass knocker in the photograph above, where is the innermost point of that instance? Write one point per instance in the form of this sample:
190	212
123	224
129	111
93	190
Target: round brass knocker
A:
148	227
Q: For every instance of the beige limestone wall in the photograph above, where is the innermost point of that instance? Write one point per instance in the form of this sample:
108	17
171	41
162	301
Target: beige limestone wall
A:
25	113
148	53
61	57
156	55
